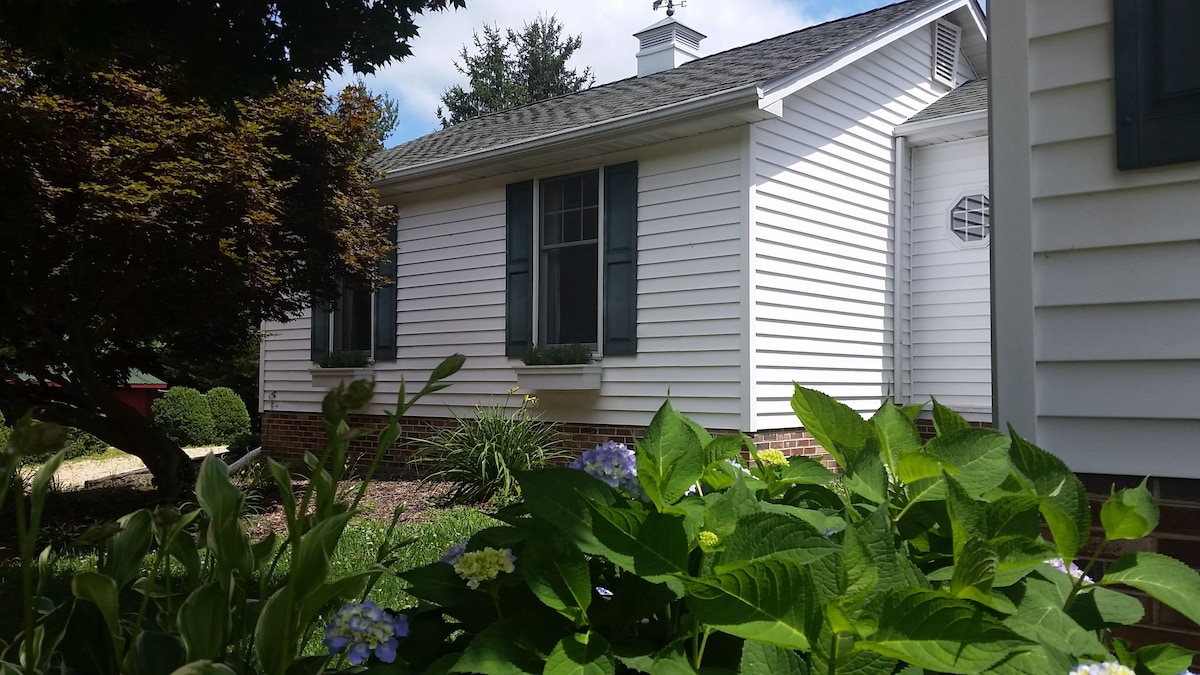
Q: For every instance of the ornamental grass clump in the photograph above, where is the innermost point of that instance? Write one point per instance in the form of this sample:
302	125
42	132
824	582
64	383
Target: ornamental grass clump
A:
479	456
920	557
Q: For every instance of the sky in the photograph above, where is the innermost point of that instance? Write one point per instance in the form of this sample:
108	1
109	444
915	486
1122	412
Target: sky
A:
607	28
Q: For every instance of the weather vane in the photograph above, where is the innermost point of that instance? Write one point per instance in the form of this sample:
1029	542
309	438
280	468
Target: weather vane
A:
670	5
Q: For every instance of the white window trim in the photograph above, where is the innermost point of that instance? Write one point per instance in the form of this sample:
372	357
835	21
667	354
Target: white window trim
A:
949	218
598	347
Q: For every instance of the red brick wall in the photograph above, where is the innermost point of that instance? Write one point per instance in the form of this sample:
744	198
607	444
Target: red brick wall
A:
1178	536
287	435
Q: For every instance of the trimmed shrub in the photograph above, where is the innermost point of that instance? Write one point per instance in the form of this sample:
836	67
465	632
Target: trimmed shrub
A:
183	414
5	433
229	415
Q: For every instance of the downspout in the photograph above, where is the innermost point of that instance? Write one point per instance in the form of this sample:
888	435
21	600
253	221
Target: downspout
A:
902	270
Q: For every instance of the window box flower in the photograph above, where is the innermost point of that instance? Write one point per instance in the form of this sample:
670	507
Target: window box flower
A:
561	377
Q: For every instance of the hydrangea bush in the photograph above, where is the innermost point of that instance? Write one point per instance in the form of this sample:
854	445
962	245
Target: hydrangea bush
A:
920	557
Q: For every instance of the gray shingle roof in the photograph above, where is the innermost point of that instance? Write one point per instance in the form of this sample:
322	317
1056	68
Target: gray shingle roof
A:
752	64
968	97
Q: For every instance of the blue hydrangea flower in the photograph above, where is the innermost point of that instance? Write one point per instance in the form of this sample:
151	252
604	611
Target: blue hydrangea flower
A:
454	553
615	464
1106	668
364	628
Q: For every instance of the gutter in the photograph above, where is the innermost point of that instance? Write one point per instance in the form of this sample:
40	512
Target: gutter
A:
974	120
728	98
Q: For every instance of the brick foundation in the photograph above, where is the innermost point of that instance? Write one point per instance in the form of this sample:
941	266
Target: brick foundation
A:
286	436
1178	536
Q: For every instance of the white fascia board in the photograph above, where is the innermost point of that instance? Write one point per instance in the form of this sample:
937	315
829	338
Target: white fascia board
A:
747	94
780	88
980	18
974	122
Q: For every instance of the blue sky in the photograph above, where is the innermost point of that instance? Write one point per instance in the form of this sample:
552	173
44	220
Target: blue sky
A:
607	27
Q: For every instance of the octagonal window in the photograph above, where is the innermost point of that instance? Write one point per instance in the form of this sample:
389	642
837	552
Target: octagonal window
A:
971	220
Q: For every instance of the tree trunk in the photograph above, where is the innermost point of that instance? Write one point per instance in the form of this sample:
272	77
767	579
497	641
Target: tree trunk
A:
173	471
99	412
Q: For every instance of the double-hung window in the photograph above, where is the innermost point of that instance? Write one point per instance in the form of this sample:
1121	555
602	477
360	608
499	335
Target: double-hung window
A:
572	255
359	320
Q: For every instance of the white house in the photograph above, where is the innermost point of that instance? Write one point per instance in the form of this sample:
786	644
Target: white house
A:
1096	179
811	208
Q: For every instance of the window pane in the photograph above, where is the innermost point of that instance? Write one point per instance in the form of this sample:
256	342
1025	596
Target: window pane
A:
591	188
590	228
352	328
572	192
552	228
572	226
569	295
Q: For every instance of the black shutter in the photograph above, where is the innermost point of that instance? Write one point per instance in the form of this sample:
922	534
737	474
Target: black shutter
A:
320	332
1157	81
518	297
620	259
385	307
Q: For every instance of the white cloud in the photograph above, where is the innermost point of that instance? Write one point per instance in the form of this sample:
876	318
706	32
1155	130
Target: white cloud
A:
607	27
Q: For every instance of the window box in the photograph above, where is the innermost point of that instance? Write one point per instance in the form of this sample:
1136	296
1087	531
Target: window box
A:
328	378
573	376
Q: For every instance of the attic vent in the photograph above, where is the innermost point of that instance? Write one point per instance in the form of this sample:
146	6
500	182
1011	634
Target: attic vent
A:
946	39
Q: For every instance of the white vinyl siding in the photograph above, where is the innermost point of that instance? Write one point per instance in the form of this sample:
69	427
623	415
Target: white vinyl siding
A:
1115	260
822	280
950	297
451	271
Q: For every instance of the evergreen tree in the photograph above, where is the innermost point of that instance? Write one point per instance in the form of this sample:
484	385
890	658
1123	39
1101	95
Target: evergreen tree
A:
512	69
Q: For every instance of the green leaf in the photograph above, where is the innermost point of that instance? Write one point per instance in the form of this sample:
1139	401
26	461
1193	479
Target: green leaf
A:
976	458
1161	577
127	547
974	571
204	668
203	622
670	459
804	471
101	591
347	587
283	481
1165	658
558	575
597	522
225	537
912	411
761	600
865	475
764	659
310	561
1129	514
727	446
946	421
1040	616
1064	500
154	653
896	433
1098	608
274	634
581	654
939	633
765	535
501	649
837	427
723	510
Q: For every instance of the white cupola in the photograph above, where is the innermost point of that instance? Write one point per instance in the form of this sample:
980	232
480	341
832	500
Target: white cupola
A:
665	45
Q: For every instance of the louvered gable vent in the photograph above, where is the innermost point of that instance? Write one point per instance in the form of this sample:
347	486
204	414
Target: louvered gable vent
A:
946	39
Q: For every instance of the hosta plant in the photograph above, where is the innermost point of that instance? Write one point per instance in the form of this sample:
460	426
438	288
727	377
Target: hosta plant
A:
212	600
678	556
